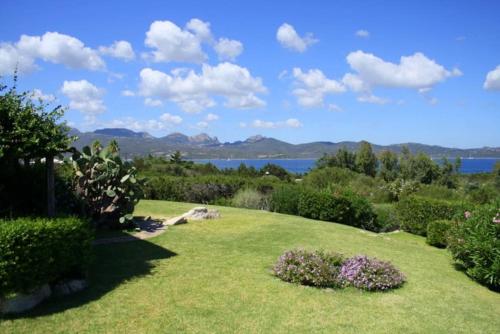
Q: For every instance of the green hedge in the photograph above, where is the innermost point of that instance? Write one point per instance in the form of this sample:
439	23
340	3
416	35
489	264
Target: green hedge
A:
34	252
437	232
285	199
387	217
416	212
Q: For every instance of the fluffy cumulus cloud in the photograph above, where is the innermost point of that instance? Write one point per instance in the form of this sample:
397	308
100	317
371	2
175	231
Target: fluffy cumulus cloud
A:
51	47
165	121
38	95
149	102
194	92
312	86
85	97
492	81
173	43
415	71
228	49
289	123
119	49
290	39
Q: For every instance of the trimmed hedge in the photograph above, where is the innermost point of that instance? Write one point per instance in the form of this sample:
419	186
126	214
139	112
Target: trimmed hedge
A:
34	252
416	212
387	217
437	232
285	199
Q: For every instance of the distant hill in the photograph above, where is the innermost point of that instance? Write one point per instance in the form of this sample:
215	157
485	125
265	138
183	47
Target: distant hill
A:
204	146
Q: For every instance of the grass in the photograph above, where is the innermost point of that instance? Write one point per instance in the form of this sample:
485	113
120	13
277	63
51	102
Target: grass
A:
214	277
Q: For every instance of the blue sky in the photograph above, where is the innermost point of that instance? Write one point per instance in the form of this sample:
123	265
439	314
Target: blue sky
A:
382	71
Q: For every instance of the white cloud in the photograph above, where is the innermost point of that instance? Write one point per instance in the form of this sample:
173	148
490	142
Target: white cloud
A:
492	81
164	122
39	95
200	29
363	33
128	92
415	71
334	107
152	102
312	86
288	38
119	49
194	92
243	125
289	123
51	47
175	44
370	98
84	96
202	125
228	49
173	119
211	117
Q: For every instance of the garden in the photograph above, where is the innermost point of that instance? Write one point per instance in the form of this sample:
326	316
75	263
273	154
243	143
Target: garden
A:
361	243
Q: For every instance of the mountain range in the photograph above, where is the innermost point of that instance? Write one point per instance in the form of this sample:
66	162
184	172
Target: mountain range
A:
203	146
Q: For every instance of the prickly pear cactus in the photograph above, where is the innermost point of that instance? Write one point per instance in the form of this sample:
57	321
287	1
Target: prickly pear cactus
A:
108	186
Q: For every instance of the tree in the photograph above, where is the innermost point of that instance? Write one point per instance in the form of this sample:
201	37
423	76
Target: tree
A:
345	159
28	131
278	171
389	166
366	160
176	158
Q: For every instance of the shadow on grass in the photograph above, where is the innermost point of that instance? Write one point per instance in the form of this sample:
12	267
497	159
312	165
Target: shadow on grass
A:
113	264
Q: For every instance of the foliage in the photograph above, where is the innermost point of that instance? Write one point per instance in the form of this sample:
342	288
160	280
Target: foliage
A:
108	187
371	274
366	161
400	188
314	268
343	158
387	217
278	171
28	133
285	199
363	215
416	212
437	232
322	178
39	251
475	245
389	167
250	199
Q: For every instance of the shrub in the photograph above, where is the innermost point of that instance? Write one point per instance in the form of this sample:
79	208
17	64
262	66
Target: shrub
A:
285	199
371	274
315	268
323	205
387	217
437	232
40	251
324	177
249	199
416	212
475	245
363	215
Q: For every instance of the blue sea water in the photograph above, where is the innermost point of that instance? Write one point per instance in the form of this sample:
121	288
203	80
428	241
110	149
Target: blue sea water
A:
301	166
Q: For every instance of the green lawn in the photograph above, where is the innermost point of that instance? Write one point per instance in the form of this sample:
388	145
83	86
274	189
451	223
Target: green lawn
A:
214	277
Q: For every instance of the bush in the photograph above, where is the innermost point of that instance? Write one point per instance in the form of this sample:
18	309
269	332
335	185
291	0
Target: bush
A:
325	177
285	199
363	215
325	206
475	245
317	268
250	199
416	212
387	217
371	274
437	232
40	251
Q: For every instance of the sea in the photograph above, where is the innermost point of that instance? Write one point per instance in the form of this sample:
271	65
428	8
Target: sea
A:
301	166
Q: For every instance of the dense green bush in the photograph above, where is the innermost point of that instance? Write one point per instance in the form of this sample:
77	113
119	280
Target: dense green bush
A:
326	177
285	199
40	251
316	268
363	215
416	212
387	217
437	232
475	244
250	199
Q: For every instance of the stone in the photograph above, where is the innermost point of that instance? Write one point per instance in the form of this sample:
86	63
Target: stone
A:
24	302
201	212
68	287
175	221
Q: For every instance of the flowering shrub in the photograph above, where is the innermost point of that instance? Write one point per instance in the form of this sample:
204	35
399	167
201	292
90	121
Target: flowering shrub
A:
316	268
371	274
475	245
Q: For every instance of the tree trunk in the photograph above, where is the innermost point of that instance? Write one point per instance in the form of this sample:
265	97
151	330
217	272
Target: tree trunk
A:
51	200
